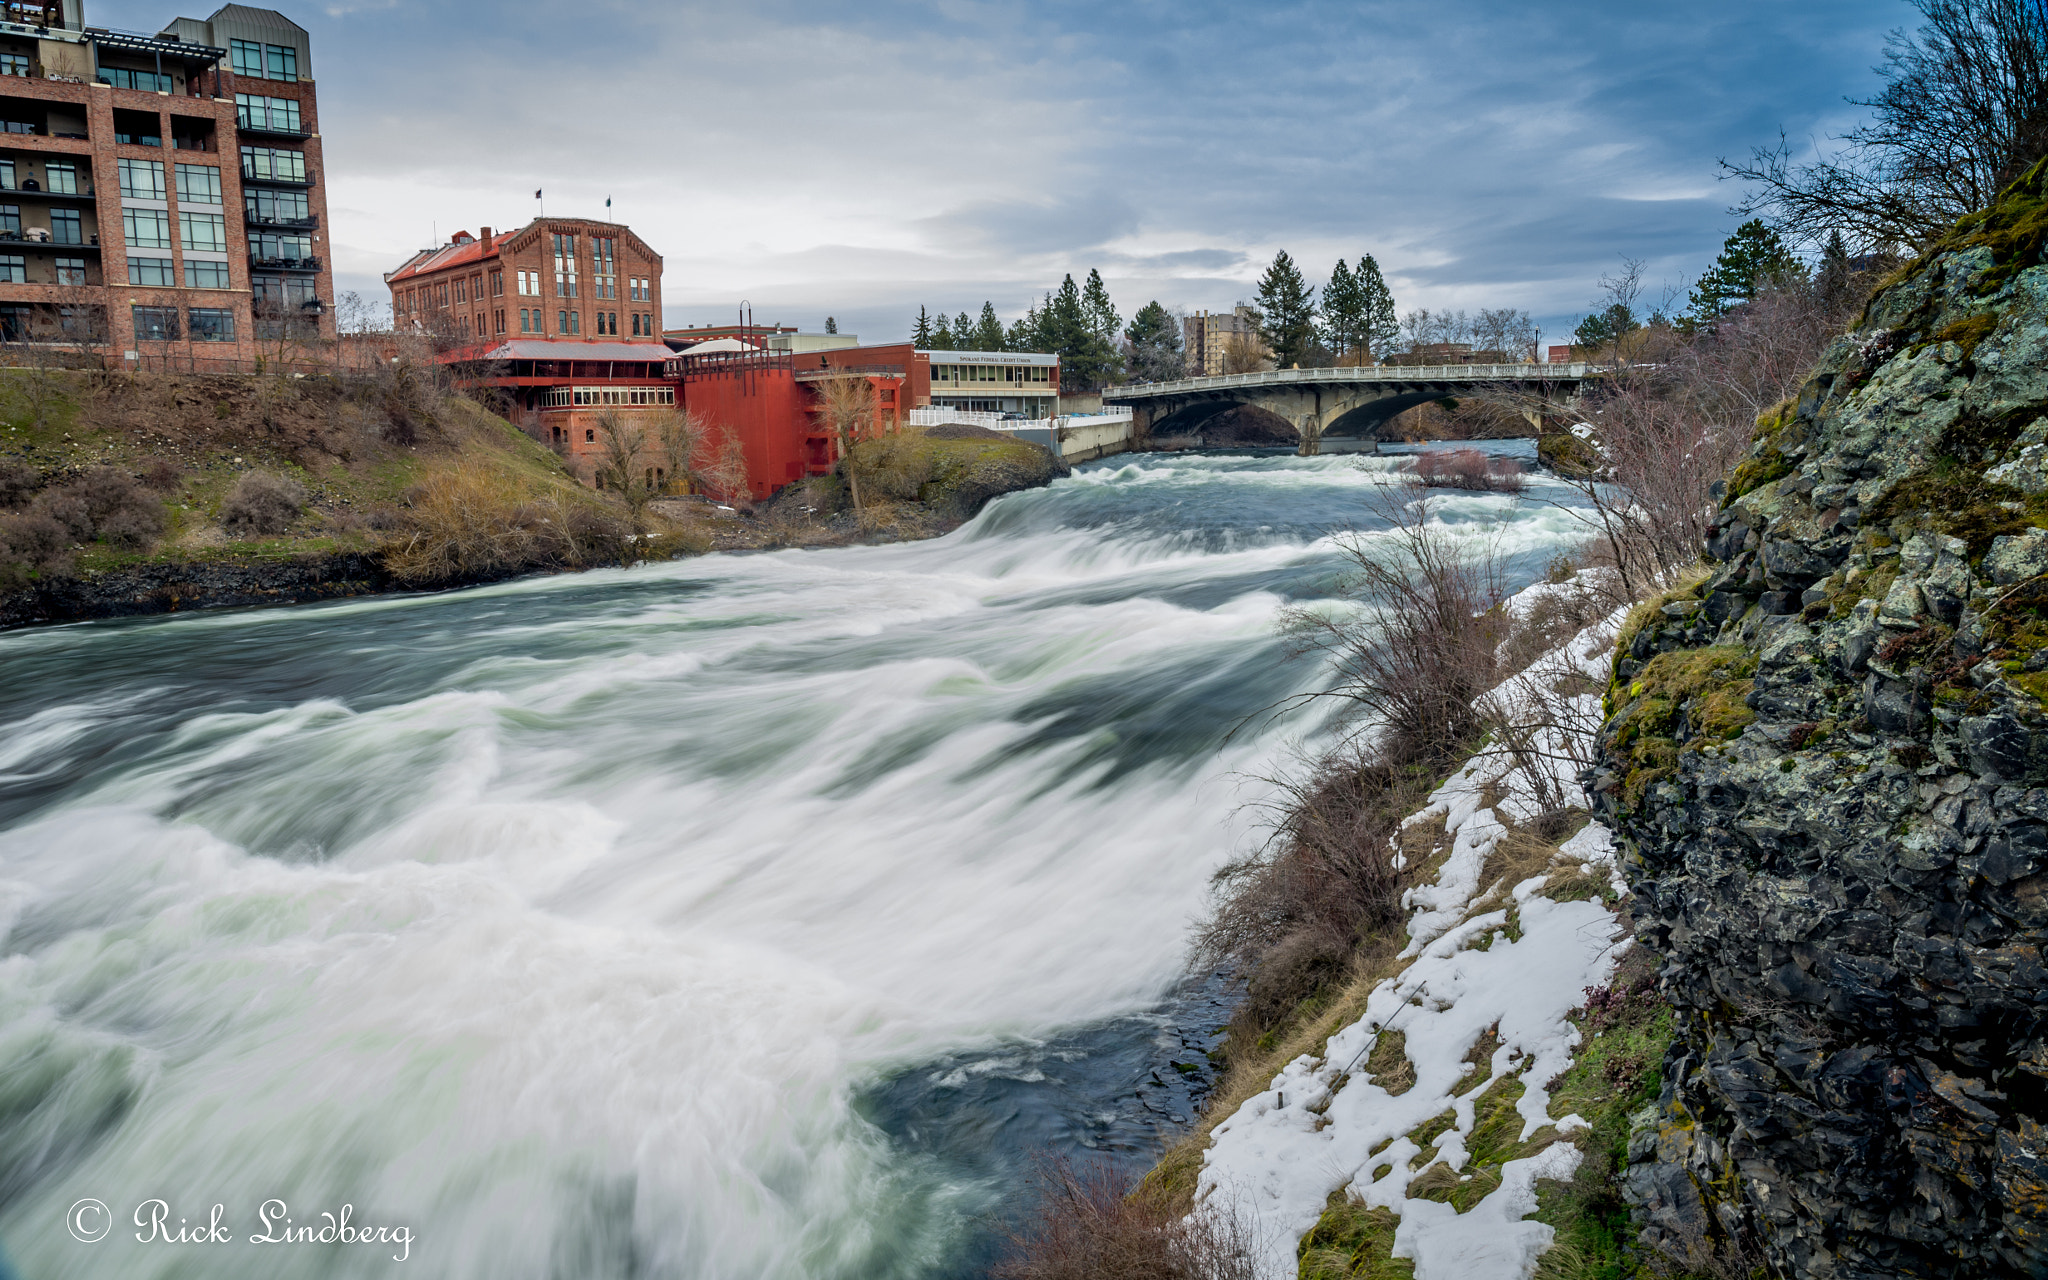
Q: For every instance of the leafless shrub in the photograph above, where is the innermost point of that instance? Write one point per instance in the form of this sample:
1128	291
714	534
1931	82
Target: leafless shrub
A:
1467	469
32	546
163	475
262	503
1085	1227
1425	648
18	483
105	504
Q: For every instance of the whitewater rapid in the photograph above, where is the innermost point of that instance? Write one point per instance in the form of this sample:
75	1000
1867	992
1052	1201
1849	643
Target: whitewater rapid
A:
567	922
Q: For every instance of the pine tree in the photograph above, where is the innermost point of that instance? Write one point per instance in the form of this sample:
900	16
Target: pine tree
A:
1154	345
1103	327
1343	311
1023	333
1287	312
921	336
1085	359
963	333
1379	325
988	331
1751	259
831	325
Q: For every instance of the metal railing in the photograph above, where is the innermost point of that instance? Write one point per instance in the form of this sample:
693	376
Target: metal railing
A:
937	416
1575	372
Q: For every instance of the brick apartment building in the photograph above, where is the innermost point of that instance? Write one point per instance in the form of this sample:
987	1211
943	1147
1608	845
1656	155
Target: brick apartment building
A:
160	196
1209	337
562	314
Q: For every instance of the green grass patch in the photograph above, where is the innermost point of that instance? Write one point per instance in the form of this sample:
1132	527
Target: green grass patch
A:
1352	1242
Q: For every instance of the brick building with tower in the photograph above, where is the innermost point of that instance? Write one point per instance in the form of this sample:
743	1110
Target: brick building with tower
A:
161	199
563	315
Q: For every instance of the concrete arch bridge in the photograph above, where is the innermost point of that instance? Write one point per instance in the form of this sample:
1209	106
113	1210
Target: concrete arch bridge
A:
1341	403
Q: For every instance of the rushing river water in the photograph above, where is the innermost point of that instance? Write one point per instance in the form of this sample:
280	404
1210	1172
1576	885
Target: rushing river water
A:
744	916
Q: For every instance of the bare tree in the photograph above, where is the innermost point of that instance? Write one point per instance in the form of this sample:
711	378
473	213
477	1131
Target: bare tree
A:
1243	352
680	436
725	474
1964	110
1505	331
621	463
847	403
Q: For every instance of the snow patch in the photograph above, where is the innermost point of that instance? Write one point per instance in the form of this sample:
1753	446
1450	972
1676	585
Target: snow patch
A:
1315	1129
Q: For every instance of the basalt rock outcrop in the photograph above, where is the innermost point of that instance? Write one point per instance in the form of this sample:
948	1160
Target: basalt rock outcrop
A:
1829	760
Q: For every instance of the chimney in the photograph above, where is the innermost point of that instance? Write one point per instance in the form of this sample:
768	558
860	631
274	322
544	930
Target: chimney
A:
484	234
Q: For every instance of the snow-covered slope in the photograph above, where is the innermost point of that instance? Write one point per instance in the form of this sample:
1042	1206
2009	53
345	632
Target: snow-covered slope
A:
1481	959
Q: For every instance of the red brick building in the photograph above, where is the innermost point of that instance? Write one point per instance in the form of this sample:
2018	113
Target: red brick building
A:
567	279
562	314
161	199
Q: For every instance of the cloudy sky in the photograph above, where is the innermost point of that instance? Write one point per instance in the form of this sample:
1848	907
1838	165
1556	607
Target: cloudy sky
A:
861	160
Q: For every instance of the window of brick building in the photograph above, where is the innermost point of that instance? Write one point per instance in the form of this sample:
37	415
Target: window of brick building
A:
151	271
13	269
155	324
272	164
254	111
523	321
206	275
13	64
200	184
146	228
476	288
211	324
497	284
565	265
589	436
458	292
141	179
203	231
61	177
71	271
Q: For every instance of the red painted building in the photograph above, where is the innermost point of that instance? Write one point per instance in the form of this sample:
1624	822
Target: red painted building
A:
770	401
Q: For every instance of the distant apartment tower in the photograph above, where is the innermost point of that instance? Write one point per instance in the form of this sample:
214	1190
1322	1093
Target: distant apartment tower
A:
1207	338
160	196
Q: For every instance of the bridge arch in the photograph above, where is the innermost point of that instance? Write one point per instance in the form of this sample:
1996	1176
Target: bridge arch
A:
1366	419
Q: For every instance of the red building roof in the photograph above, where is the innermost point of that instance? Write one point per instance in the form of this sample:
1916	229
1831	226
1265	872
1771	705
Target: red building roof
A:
465	248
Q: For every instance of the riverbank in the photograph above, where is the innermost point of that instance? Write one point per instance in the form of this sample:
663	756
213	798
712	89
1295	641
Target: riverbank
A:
127	496
1451	1098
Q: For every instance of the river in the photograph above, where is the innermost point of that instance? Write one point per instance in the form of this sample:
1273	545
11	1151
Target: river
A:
742	916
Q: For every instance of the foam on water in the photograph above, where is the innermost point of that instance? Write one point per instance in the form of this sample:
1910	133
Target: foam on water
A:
567	921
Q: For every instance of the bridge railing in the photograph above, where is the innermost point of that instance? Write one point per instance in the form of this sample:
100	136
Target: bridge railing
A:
1379	373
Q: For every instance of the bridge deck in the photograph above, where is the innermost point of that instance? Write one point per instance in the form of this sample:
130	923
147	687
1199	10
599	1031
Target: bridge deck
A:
1369	375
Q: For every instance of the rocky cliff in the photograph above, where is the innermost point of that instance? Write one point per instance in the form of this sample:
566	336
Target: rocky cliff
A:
1830	759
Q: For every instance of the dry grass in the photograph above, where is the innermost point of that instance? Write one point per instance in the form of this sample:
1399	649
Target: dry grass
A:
470	520
1388	1064
1086	1227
